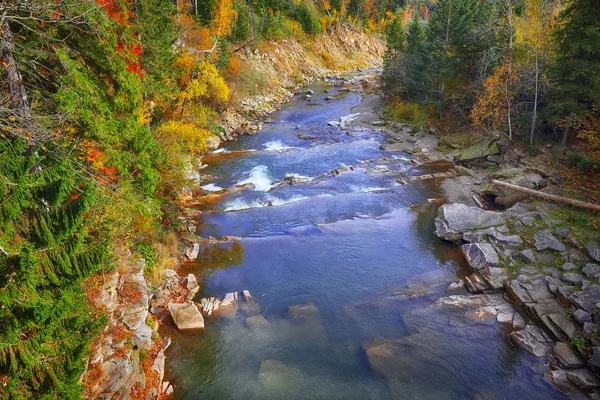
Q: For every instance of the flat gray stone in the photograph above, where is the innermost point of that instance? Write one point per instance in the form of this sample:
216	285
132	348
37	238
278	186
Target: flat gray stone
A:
582	316
526	255
518	322
568	266
572	278
590	270
566	357
583	378
480	255
595	359
593	249
455	219
586	299
530	343
545	240
559	379
495	277
505	317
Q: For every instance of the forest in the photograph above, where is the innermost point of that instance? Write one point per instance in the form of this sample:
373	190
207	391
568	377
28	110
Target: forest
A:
527	69
103	103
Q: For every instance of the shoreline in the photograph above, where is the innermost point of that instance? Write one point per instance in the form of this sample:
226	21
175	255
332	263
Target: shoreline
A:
490	292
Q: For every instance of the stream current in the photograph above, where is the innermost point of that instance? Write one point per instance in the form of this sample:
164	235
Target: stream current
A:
342	259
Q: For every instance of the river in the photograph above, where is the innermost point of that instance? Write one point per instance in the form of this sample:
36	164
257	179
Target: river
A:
339	261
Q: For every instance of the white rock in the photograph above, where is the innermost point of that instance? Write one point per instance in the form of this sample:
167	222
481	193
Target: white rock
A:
193	251
228	300
247	295
186	316
191	281
505	318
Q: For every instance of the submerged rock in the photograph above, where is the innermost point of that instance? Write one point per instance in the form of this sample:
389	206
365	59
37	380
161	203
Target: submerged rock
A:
276	376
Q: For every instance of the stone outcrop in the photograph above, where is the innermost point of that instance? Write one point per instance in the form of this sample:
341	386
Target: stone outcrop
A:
114	367
454	220
556	295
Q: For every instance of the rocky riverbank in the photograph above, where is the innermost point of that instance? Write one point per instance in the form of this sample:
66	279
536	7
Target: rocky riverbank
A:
529	270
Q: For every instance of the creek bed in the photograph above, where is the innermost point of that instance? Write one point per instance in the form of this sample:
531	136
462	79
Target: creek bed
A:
341	261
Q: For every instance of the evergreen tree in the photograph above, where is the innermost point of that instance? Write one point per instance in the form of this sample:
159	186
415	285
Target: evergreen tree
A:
418	56
450	34
393	60
576	73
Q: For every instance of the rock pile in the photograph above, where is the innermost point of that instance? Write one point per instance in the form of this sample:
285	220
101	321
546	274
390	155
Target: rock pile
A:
551	281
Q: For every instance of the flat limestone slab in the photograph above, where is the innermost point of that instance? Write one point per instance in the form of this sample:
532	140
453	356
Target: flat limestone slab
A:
187	317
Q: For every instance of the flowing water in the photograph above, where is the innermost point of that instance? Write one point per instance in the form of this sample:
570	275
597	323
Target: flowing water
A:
336	261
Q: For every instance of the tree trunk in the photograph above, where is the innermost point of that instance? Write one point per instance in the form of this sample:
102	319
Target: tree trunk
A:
535	101
563	142
445	58
13	77
548	196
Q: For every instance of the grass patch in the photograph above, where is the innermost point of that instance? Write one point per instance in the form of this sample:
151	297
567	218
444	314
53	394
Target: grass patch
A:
413	114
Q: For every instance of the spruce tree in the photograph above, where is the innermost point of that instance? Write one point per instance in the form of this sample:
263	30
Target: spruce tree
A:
449	32
393	59
577	70
418	59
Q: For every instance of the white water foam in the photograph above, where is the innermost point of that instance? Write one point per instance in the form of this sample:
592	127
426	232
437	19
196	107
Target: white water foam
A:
240	204
361	189
299	177
221	150
260	178
211	187
277	145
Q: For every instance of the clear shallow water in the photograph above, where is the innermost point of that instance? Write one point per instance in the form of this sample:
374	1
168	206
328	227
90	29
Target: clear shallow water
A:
329	261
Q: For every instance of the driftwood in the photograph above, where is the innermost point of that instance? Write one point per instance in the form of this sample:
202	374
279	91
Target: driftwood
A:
548	196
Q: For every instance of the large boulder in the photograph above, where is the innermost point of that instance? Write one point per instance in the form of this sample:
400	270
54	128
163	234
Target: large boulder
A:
186	316
454	220
480	149
212	143
480	255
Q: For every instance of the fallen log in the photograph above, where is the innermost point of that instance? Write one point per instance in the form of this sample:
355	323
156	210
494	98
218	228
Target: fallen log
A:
548	196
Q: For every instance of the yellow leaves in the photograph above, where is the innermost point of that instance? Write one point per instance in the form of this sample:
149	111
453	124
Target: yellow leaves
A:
534	28
209	87
146	112
177	137
224	17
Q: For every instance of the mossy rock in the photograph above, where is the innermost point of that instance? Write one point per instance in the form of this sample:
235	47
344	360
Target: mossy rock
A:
482	148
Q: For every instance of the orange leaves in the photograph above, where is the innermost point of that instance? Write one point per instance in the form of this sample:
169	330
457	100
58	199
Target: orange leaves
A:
186	63
494	104
99	160
224	18
198	37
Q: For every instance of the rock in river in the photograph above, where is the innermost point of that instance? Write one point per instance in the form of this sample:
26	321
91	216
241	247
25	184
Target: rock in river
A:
276	376
480	255
455	219
187	317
